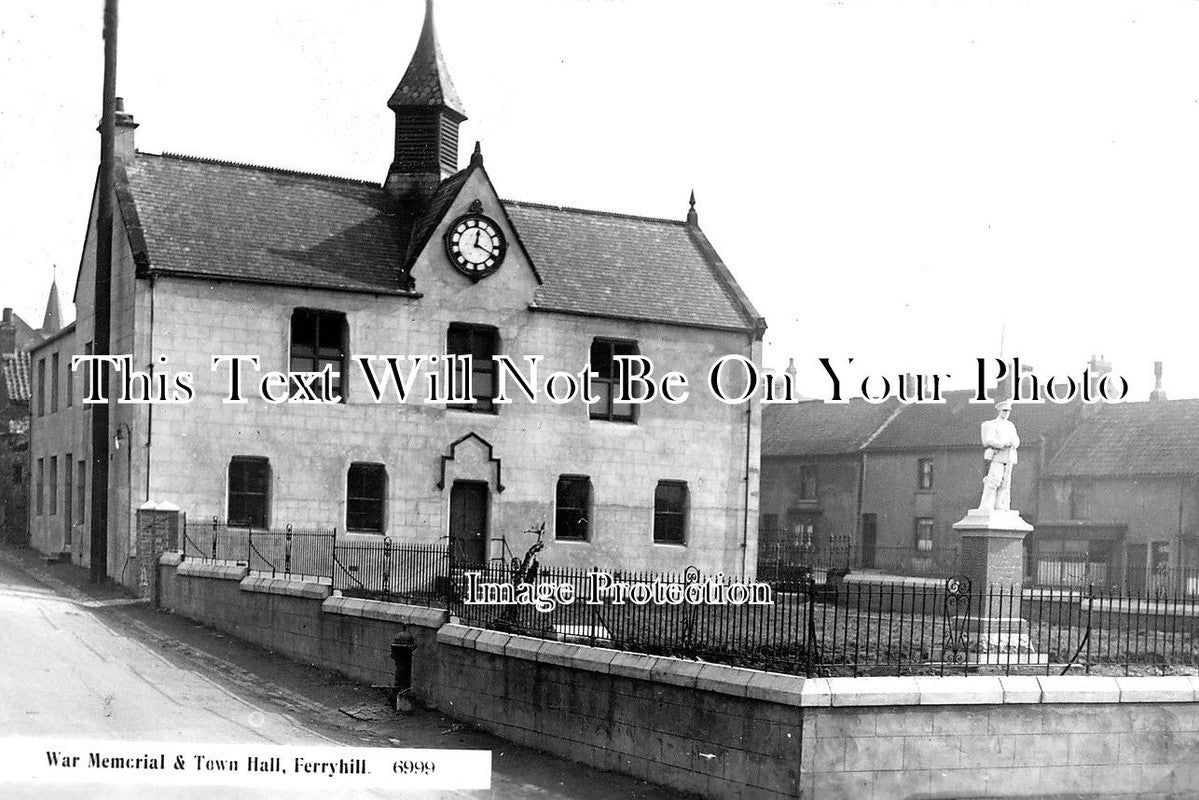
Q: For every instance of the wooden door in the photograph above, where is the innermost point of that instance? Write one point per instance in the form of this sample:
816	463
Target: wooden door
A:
468	522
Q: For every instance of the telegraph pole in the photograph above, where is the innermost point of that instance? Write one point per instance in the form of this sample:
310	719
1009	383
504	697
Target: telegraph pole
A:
103	297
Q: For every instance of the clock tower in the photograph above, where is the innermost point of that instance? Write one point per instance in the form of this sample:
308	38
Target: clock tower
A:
427	112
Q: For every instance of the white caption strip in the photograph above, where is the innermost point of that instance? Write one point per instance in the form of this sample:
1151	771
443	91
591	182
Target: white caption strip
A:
119	762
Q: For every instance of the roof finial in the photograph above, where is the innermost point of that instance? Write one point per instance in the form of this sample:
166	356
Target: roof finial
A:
476	158
692	217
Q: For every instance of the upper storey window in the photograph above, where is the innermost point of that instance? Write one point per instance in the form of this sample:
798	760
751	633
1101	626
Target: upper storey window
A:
319	339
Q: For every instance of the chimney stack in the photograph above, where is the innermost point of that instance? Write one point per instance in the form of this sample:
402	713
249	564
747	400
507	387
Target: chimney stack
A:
123	144
125	128
1158	394
1100	366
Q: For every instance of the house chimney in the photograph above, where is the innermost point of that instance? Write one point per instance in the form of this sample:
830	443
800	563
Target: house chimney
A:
1158	394
123	145
7	317
125	127
1100	366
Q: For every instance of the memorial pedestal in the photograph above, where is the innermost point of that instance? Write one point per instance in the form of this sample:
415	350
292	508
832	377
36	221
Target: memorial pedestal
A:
993	559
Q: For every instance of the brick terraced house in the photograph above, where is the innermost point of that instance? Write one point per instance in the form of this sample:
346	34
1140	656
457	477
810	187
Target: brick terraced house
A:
17	337
309	271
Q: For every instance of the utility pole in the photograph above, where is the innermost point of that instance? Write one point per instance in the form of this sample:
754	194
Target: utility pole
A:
102	311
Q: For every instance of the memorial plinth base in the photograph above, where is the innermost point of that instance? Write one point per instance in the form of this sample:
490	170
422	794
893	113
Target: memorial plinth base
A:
993	560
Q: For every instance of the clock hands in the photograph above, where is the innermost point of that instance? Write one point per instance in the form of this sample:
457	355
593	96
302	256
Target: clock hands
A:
487	250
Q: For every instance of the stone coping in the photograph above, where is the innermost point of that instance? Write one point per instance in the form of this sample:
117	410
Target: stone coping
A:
289	587
386	612
225	571
886	579
827	692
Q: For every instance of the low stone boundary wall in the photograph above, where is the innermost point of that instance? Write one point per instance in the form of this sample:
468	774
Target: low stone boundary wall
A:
299	619
707	728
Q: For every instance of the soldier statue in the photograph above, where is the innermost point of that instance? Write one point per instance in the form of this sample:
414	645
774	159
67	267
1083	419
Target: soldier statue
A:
1000	438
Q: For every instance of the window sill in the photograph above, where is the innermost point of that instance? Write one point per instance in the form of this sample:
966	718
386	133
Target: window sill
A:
670	544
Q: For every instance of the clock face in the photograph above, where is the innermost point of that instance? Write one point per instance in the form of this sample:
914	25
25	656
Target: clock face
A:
475	245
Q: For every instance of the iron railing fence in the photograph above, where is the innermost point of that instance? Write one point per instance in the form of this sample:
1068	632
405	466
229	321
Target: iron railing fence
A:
848	629
784	561
301	554
389	570
1063	572
376	568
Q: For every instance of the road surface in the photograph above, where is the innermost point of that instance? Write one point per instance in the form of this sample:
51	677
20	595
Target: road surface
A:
90	663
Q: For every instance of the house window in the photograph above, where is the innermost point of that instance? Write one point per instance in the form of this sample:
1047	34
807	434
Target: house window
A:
319	339
81	490
670	512
801	529
924	535
366	490
924	474
807	483
480	342
54	383
41	387
70	382
1080	501
1159	557
16	474
41	486
53	485
249	491
573	508
603	364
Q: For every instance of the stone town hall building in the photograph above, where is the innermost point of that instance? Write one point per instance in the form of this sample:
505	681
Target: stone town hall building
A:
308	270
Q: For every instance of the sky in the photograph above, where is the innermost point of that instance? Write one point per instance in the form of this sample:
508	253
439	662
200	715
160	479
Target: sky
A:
914	185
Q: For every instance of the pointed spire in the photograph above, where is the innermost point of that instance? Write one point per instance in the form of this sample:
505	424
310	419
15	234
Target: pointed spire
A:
428	113
52	322
427	82
692	216
476	158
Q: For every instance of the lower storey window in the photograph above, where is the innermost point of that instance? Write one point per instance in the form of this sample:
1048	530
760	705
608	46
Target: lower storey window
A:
670	512
366	488
249	491
572	504
924	535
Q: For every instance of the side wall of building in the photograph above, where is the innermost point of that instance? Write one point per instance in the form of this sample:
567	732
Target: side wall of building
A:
892	492
834	510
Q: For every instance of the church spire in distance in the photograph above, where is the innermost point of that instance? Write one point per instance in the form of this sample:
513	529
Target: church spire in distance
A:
428	112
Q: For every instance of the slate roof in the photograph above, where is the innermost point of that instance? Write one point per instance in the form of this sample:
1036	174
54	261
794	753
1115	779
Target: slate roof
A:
427	82
956	423
814	427
212	219
17	386
220	220
602	263
1133	439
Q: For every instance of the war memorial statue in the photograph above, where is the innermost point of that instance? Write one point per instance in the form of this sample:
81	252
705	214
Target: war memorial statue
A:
1001	440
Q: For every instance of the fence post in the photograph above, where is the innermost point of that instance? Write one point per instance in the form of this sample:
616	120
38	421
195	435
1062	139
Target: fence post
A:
1087	633
333	561
214	524
287	551
810	635
386	568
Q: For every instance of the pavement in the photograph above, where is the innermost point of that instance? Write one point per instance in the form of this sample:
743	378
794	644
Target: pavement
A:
89	661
